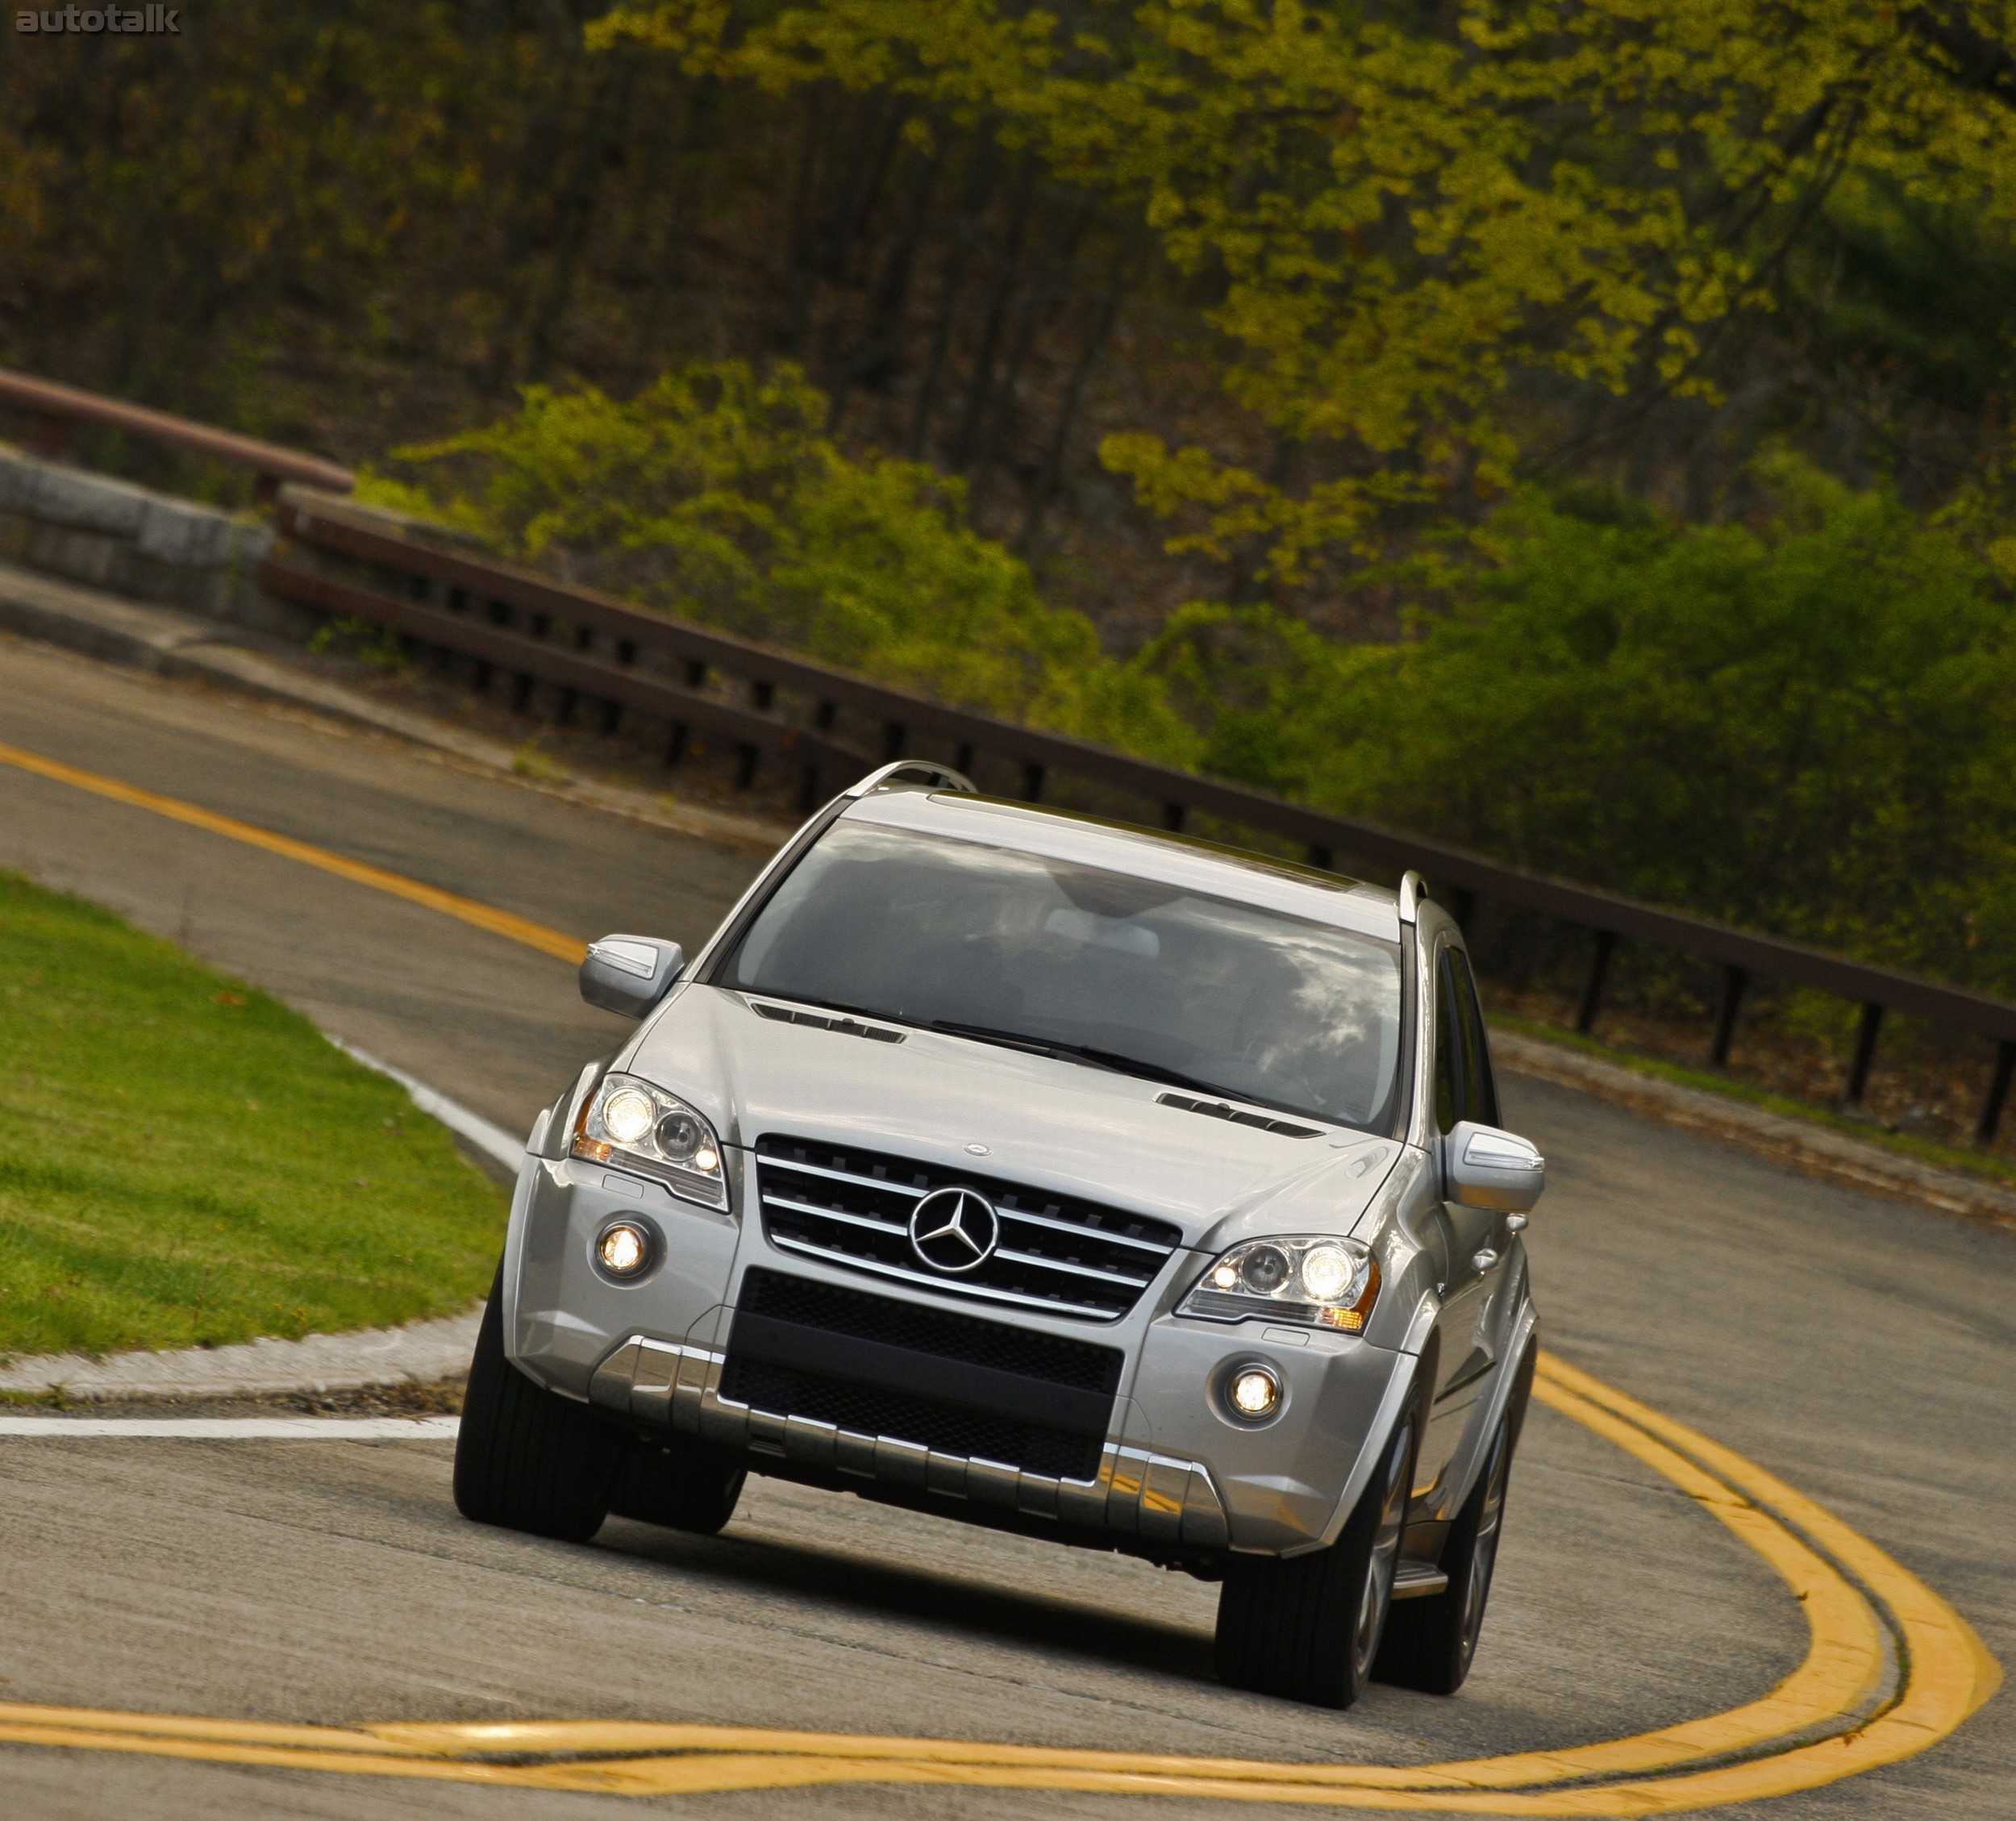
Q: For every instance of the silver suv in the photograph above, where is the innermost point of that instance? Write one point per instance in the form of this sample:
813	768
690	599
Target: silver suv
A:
1051	1174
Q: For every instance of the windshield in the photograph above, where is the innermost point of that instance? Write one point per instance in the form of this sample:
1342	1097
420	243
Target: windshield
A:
1099	966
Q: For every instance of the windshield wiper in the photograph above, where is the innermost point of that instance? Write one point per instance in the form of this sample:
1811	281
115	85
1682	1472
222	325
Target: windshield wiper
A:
1114	1060
1134	1065
986	1034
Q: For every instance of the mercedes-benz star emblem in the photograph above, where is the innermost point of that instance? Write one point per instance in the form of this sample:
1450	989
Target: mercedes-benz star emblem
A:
954	1230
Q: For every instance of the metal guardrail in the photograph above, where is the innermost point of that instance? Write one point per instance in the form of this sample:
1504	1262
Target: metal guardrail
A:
55	408
597	649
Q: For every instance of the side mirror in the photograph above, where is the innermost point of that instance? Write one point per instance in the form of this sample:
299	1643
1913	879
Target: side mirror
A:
630	974
1483	1167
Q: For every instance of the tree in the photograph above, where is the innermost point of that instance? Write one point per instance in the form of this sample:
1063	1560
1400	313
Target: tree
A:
1396	209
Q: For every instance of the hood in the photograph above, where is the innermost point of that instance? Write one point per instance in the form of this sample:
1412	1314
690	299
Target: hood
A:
1052	1124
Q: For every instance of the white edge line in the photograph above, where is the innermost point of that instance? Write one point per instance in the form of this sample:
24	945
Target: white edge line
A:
238	1428
493	1141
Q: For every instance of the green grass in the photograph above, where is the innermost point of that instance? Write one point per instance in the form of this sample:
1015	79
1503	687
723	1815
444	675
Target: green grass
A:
185	1162
1923	1150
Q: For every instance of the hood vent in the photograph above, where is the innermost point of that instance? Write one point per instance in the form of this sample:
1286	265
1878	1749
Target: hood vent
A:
826	1021
1219	1110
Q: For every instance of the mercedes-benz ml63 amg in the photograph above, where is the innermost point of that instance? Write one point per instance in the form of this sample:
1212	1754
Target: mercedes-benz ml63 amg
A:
1051	1174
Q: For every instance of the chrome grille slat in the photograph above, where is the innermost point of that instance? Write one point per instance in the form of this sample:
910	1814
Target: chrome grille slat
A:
836	1213
1066	1226
1114	1254
847	1219
864	1181
1076	1270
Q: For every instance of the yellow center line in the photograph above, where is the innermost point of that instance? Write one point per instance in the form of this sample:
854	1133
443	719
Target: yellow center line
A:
360	872
1767	1747
1828	1719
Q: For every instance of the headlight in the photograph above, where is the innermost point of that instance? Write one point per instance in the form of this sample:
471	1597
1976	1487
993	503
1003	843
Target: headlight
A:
631	1123
1319	1281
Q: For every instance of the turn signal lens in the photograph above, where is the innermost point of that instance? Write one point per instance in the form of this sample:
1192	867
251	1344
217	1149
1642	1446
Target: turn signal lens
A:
1255	1392
624	1250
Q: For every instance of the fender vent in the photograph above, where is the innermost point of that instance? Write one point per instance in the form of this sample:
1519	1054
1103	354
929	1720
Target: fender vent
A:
1219	1110
826	1021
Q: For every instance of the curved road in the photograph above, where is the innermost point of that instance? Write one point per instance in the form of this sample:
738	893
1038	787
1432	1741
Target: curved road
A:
1862	1350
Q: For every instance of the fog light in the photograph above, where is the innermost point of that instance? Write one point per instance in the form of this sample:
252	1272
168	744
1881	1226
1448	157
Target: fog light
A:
623	1250
1255	1392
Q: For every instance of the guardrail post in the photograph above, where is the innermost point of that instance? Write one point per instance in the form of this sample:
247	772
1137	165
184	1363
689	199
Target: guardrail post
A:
1998	1092
963	759
1599	965
1734	981
1172	818
1319	856
895	734
1461	904
1864	1054
676	746
1032	782
808	787
745	769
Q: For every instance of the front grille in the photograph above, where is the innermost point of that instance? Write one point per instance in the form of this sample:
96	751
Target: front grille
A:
1057	1252
952	1383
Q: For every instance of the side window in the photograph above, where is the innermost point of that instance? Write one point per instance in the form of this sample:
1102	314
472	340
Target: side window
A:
1479	1092
1448	1056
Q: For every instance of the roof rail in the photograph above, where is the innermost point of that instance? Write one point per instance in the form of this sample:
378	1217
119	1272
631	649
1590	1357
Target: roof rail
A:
924	770
1413	893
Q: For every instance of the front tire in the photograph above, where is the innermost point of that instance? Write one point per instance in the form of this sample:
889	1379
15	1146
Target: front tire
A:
1308	1627
526	1458
1431	1643
682	1485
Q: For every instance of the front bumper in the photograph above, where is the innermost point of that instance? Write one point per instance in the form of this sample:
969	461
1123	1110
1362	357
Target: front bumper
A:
1159	1498
1174	1472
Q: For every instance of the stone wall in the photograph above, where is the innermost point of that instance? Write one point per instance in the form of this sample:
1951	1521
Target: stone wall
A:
110	534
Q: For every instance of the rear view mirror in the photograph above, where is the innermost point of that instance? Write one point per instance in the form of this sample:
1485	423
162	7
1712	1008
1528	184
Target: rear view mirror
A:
630	974
1485	1167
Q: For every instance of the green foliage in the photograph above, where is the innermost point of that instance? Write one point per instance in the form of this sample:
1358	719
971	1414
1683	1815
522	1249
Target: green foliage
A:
1802	724
184	1162
716	494
1392	210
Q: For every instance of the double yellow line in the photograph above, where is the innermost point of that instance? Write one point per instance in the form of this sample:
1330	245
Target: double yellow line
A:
1843	1711
1890	1668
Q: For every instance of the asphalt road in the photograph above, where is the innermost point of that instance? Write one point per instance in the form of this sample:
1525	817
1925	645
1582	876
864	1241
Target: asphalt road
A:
1862	1350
